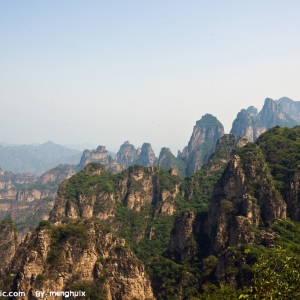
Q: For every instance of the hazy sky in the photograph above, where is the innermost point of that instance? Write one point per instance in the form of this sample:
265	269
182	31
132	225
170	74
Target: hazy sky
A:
108	71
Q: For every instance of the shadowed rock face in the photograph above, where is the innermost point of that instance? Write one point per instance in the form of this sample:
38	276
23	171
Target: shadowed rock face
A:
127	155
291	107
202	143
183	228
79	256
251	125
100	155
244	194
146	156
9	243
167	160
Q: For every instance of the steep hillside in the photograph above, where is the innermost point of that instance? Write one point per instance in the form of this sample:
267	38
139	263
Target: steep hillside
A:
27	199
251	125
199	238
205	134
78	256
167	160
291	107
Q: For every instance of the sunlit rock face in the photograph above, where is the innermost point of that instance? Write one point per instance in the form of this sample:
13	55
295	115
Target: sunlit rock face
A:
78	256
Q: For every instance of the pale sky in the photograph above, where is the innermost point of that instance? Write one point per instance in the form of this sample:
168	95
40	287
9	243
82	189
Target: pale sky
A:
145	71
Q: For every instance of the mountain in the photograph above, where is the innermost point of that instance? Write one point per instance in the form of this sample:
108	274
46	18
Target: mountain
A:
291	107
36	159
147	156
247	214
167	160
91	259
139	204
251	124
27	199
148	233
202	142
127	155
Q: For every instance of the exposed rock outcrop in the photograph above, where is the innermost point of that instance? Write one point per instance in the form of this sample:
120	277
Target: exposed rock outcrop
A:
182	231
146	156
8	246
127	155
78	256
291	107
250	124
99	155
27	198
136	186
167	160
243	197
202	143
245	125
196	187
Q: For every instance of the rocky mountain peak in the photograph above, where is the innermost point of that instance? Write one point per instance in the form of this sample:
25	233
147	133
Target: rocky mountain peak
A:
167	160
252	111
127	155
242	197
88	256
99	155
250	124
272	114
291	107
147	156
202	142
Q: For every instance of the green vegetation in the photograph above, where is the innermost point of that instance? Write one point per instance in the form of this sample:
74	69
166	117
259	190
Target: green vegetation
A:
276	276
76	232
281	147
209	120
271	272
169	160
84	183
198	187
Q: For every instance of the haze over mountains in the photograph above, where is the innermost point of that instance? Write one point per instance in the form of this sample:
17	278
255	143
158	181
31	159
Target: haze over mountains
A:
249	123
36	159
146	227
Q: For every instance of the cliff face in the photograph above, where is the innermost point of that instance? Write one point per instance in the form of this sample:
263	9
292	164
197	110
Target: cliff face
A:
251	125
127	155
202	142
146	156
136	187
28	199
291	107
167	160
78	256
182	231
281	149
243	197
99	155
197	188
9	243
245	125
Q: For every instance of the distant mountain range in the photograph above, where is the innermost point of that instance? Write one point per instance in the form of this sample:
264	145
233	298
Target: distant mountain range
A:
147	233
36	159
